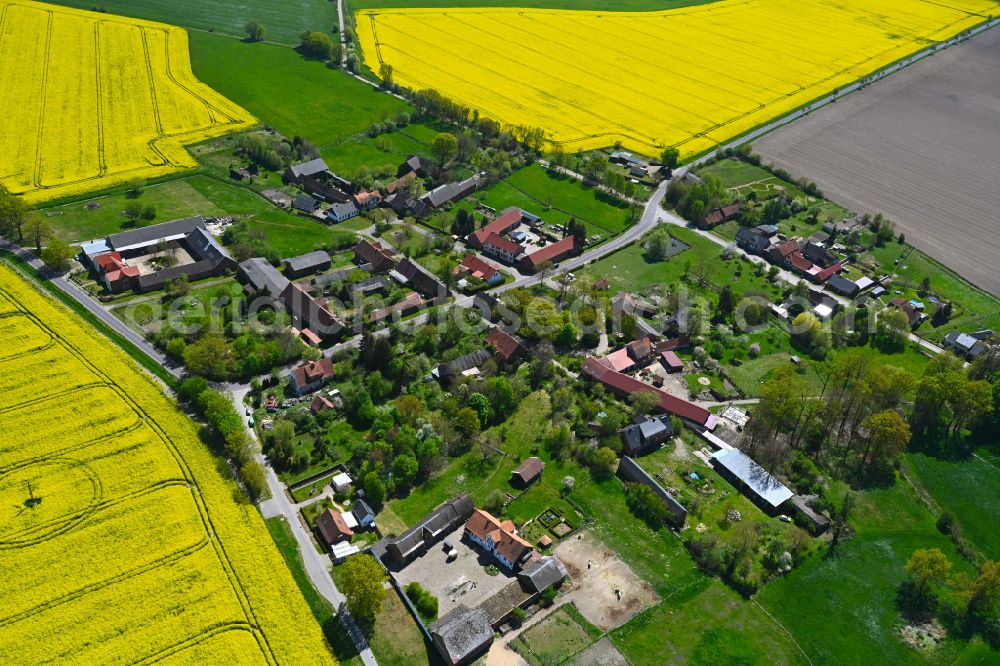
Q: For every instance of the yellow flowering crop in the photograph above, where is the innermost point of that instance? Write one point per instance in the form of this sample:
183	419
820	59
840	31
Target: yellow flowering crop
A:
690	78
89	100
119	540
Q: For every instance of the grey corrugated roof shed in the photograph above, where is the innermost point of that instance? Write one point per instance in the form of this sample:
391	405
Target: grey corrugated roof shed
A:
152	233
543	573
463	632
758	479
310	168
262	276
308	261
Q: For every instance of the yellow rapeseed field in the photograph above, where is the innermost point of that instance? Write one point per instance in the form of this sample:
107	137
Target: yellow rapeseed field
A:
134	549
90	100
690	78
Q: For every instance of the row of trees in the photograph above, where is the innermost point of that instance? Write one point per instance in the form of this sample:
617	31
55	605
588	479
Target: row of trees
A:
17	224
226	426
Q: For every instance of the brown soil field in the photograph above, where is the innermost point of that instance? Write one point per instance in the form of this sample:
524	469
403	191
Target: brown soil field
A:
922	147
597	572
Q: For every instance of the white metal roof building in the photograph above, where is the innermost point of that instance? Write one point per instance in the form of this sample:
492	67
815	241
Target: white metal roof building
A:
765	490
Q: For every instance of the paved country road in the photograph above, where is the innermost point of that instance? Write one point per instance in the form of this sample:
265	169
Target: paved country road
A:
317	565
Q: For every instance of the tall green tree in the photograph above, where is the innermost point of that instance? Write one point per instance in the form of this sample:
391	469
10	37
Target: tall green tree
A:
444	147
362	584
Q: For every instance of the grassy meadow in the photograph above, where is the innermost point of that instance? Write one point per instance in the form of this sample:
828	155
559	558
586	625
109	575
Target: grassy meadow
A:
283	21
295	96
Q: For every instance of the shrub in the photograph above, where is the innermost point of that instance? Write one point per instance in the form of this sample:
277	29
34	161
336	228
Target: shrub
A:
517	617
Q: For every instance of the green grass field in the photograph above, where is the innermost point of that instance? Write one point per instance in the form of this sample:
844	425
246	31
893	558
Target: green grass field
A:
570	197
194	195
554	639
969	489
283	21
841	609
347	156
297	97
706	624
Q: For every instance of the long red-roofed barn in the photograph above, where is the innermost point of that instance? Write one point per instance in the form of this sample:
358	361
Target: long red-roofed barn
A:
624	386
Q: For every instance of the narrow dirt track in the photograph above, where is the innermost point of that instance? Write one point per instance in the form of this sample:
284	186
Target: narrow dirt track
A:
922	148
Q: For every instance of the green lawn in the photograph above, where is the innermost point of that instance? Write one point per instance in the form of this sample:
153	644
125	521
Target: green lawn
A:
970	489
705	624
283	21
841	609
336	636
298	97
571	197
387	150
194	195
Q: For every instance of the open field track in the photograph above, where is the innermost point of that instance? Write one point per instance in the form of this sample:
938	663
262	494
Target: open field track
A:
91	100
124	542
920	147
691	78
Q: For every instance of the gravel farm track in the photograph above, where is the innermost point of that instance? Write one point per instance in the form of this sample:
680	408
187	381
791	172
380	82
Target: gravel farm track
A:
920	147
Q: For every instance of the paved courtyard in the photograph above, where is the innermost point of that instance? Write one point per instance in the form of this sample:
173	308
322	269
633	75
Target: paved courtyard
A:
463	580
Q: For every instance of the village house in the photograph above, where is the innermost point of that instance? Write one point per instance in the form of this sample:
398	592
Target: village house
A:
366	200
623	386
507	349
311	313
549	255
757	239
311	375
376	255
136	259
967	345
719	215
446	194
260	278
508	220
410	304
341	211
843	286
472	266
498	539
363	514
401	550
502	248
416	165
315	177
914	315
411	274
647	434
333	528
